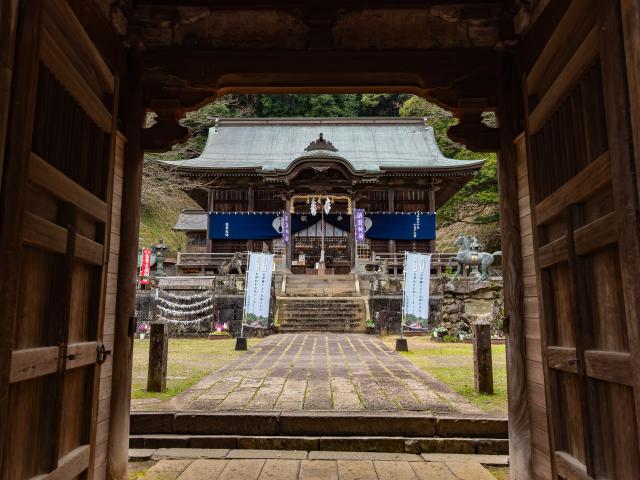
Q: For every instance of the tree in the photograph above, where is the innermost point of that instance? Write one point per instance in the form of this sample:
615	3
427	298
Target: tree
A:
476	204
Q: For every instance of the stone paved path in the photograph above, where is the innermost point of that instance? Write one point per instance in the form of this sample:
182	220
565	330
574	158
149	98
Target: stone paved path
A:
293	465
319	372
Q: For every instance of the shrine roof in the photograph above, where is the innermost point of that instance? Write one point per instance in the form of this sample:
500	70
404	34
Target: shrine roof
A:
191	220
372	144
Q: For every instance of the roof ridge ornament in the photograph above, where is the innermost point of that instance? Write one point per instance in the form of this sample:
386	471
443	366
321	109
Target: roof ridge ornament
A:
321	144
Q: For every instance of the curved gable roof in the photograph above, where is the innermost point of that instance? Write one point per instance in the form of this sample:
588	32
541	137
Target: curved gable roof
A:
368	144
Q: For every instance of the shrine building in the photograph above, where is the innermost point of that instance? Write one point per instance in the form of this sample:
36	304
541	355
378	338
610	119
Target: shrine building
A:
256	169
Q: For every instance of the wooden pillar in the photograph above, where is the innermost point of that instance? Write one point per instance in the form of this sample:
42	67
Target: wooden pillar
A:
630	13
288	246
158	353
519	423
352	244
482	367
13	196
250	208
8	24
132	116
431	207
391	207
210	207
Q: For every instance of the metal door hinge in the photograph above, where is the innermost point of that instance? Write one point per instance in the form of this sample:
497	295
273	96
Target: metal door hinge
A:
102	353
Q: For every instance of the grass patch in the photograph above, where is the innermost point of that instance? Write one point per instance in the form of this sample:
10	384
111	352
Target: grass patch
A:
501	473
189	361
452	364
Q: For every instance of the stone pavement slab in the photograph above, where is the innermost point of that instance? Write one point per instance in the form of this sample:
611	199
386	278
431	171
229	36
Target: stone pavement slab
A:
494	460
356	470
280	470
390	470
271	465
318	372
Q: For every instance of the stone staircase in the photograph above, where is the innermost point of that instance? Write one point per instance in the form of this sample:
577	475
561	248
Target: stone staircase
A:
328	303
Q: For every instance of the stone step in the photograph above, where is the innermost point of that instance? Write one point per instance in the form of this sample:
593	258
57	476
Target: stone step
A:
336	424
390	444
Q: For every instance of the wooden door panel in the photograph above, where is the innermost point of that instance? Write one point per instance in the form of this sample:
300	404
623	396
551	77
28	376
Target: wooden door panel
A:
587	335
63	250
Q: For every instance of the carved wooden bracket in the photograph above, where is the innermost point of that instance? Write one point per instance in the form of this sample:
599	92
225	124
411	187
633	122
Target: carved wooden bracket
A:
470	131
166	132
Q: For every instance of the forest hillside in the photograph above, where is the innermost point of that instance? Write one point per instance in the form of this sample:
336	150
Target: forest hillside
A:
473	210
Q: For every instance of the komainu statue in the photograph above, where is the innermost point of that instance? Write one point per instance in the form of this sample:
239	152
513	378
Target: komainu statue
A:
234	263
469	256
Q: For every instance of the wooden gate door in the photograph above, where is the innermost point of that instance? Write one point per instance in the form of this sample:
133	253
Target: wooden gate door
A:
584	204
56	216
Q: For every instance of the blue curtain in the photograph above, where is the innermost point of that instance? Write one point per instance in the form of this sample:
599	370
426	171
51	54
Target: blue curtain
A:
268	225
245	225
402	226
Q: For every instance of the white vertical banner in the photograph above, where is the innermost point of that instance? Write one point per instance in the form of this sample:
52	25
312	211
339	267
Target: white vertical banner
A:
257	294
417	274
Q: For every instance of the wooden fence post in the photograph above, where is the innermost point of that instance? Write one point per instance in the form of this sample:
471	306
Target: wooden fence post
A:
482	367
158	350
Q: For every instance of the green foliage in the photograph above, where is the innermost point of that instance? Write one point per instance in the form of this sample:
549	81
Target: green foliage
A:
477	201
324	105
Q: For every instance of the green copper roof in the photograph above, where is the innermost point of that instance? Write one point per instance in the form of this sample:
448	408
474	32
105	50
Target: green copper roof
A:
368	144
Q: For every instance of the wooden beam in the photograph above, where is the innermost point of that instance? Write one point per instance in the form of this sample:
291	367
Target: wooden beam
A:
553	252
60	22
573	70
44	234
63	69
562	358
295	4
583	185
33	362
612	367
577	19
70	466
207	73
102	35
89	251
597	234
48	177
81	354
